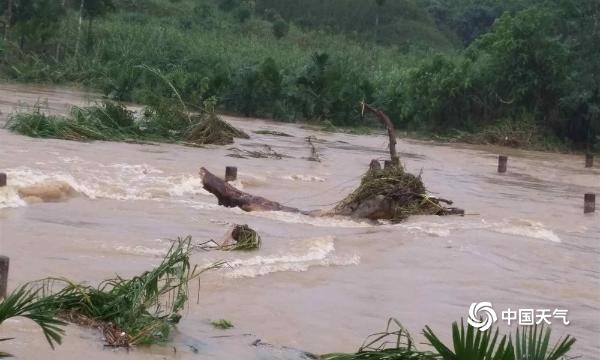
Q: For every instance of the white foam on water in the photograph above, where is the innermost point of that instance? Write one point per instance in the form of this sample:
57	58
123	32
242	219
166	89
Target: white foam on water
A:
324	221
140	250
9	198
313	252
250	179
305	178
516	227
525	228
115	181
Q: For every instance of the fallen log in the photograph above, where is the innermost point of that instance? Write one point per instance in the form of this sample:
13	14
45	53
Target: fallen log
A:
229	196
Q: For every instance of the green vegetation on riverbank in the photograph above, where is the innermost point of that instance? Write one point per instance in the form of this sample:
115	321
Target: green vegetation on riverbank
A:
111	121
516	73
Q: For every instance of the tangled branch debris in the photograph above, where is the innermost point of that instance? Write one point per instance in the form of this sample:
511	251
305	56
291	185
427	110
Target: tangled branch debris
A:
211	129
241	237
391	194
314	153
266	153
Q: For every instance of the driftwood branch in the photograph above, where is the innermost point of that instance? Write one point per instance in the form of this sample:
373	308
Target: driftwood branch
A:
314	153
391	130
229	196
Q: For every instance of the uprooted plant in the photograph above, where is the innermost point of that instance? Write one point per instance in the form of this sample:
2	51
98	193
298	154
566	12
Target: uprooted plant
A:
140	310
391	193
239	237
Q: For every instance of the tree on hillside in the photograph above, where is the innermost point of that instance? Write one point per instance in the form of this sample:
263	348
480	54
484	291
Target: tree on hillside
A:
530	62
380	4
91	9
280	27
7	18
34	20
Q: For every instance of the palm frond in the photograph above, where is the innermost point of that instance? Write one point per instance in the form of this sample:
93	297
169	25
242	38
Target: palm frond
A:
471	344
533	343
26	302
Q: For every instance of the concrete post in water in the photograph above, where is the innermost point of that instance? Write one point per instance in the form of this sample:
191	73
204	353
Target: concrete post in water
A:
589	160
2	179
4	262
502	163
374	165
589	203
230	173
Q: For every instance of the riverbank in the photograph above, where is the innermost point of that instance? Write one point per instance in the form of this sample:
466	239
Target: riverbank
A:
524	136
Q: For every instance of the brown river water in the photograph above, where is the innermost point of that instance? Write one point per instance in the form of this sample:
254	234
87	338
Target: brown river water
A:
317	284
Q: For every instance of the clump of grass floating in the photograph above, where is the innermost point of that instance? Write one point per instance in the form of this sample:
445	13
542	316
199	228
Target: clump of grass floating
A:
244	238
164	121
140	310
238	238
211	129
106	121
405	192
222	324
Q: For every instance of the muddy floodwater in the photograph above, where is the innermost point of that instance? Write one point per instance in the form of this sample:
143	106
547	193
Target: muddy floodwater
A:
317	284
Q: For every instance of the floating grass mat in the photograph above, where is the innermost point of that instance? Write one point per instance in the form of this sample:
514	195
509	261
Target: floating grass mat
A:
242	237
106	121
391	194
109	121
222	324
211	129
140	310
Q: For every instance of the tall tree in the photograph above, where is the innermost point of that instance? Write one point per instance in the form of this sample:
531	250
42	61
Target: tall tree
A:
9	8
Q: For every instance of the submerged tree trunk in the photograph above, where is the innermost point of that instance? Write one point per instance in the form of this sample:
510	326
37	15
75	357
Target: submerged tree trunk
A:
229	196
8	19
